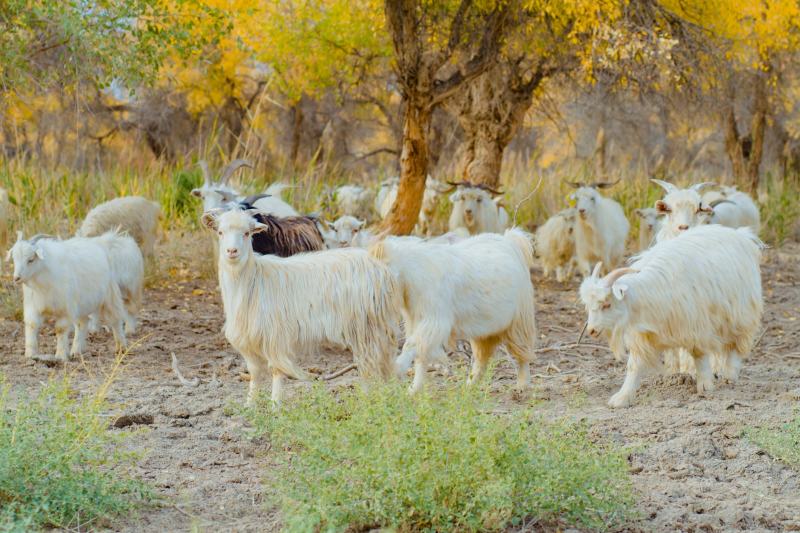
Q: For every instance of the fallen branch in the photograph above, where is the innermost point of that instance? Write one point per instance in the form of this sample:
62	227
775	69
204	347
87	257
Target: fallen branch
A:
338	373
185	382
561	347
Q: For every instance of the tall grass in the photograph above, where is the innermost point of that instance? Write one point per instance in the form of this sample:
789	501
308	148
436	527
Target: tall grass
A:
55	201
445	462
59	464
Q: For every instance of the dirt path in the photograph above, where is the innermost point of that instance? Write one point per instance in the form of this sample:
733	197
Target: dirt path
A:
691	468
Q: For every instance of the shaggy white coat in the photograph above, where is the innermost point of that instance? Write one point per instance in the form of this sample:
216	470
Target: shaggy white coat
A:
742	211
478	288
127	267
354	200
68	281
600	230
277	309
700	292
136	216
555	244
475	210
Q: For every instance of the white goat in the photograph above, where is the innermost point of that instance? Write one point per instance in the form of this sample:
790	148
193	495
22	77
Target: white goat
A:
733	208
136	216
681	209
68	280
354	200
474	209
127	267
350	232
601	228
700	292
277	309
386	196
478	288
649	226
555	244
219	193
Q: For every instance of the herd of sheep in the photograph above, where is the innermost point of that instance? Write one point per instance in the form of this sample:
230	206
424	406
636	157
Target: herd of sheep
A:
689	301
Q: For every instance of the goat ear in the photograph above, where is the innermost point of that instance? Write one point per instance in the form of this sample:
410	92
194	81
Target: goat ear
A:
619	290
453	197
705	208
662	207
197	192
19	236
360	223
39	252
258	227
209	220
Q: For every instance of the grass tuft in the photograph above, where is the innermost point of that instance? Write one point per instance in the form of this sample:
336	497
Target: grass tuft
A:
443	462
782	443
59	466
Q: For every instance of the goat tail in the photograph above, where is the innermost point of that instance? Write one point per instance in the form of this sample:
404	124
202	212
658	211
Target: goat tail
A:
523	242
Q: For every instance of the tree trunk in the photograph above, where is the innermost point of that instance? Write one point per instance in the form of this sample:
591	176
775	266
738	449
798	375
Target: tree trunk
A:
757	127
733	145
413	170
490	110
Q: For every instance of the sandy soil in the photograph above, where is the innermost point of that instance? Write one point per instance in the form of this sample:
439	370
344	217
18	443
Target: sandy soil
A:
690	466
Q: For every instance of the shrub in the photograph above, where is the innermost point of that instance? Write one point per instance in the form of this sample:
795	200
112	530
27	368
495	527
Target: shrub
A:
439	462
58	464
782	443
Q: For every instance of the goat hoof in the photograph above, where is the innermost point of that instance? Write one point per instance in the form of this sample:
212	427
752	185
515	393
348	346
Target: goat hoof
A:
620	400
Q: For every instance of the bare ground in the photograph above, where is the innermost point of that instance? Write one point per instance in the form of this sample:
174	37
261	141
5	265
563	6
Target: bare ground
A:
691	467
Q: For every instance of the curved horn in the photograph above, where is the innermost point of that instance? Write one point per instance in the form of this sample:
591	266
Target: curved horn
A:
20	236
575	184
488	189
718	201
665	185
597	268
614	275
456	184
232	167
40	236
605	185
698	187
206	172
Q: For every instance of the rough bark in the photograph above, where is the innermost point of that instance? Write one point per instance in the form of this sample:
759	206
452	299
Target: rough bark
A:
733	144
413	170
424	86
490	110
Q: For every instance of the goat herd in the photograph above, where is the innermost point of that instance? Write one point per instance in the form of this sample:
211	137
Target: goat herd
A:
689	301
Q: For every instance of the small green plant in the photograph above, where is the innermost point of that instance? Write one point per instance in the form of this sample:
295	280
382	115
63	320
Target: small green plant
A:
782	443
440	462
59	466
780	210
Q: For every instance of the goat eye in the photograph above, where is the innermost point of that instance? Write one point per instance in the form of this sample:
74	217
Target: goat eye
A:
219	233
246	233
480	200
31	260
